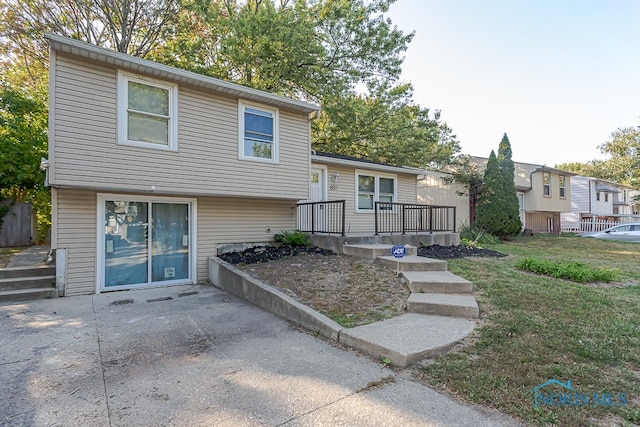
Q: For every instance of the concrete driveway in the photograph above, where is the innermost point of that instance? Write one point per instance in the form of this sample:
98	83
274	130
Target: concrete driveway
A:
195	356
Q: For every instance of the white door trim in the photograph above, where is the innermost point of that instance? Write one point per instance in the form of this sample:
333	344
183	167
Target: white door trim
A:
323	182
100	237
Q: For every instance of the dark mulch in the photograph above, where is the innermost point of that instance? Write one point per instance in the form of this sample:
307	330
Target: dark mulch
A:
449	252
271	253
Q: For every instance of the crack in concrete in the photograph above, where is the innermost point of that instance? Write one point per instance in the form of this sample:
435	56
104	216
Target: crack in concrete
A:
102	367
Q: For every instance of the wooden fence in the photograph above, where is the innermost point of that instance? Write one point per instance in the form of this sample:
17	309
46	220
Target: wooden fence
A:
18	225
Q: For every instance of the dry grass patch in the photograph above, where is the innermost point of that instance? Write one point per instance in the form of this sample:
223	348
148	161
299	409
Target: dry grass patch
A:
349	290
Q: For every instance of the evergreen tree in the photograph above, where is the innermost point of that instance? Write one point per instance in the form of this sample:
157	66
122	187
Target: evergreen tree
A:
507	170
491	213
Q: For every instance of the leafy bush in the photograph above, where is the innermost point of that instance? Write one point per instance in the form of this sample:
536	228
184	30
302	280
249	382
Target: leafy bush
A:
574	271
292	238
470	235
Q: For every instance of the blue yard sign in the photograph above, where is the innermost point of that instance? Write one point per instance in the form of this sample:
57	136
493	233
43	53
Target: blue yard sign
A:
398	251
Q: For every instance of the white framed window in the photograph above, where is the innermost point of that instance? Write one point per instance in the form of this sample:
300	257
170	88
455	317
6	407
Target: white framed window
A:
258	132
563	187
546	184
372	187
147	112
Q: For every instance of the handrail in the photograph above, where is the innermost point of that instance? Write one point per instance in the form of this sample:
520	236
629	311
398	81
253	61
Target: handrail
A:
326	217
406	218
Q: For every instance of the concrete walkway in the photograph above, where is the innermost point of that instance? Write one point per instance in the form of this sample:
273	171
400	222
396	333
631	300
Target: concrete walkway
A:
196	356
32	256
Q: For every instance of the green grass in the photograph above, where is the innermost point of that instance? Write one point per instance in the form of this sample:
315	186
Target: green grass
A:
534	328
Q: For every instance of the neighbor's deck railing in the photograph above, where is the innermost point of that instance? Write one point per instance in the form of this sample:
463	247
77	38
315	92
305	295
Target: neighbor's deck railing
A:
322	217
413	218
595	224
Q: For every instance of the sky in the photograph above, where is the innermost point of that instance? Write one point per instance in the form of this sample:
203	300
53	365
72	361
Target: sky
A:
558	76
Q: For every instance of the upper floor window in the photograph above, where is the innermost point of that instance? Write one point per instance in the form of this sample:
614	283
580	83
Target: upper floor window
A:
371	188
147	112
597	196
258	133
563	187
606	197
546	181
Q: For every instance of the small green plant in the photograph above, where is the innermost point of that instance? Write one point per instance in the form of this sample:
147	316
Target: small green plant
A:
292	238
574	271
470	235
386	361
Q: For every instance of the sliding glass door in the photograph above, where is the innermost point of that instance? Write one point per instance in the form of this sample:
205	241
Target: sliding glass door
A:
145	242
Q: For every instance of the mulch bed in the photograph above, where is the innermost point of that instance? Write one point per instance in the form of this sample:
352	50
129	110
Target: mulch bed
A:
272	253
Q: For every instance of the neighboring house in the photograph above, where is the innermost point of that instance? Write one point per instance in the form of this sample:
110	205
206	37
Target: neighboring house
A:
360	183
596	199
543	193
152	168
634	200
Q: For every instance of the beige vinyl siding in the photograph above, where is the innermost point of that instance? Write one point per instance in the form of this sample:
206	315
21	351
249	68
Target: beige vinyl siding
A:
537	201
233	220
76	232
432	190
206	163
345	189
219	221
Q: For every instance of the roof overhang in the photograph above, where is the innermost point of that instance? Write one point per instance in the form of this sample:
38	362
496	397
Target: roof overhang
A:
365	165
606	188
554	170
120	60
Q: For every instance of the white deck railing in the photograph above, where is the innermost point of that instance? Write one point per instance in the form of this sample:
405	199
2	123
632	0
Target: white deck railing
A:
588	225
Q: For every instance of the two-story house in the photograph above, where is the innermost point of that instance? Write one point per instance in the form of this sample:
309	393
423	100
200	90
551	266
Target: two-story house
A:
152	167
543	194
597	200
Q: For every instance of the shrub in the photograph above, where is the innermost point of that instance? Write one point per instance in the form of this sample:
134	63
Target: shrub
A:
292	238
471	235
574	271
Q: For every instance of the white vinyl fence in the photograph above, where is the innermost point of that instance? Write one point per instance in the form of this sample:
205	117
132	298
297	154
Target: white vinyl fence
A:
594	224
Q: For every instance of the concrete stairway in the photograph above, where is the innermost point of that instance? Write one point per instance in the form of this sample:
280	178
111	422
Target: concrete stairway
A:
441	306
27	283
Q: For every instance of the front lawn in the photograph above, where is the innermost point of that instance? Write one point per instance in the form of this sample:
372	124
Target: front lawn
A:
535	328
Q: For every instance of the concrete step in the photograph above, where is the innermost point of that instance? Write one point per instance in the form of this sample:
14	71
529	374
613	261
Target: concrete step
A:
444	305
41	270
412	263
23	283
28	294
373	250
443	282
409	338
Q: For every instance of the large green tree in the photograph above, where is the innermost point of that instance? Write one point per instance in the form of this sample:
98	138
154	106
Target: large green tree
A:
307	50
23	142
623	151
491	214
507	170
622	163
130	26
385	126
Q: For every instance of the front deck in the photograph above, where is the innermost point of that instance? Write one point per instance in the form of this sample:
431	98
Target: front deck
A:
393	223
